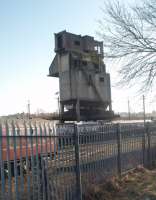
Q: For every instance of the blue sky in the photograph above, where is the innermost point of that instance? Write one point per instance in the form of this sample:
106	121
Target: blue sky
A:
26	50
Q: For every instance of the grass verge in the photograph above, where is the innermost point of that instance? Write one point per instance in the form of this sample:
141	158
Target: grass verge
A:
139	184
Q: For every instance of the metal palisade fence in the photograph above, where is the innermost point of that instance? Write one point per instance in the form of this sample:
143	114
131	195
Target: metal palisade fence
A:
43	162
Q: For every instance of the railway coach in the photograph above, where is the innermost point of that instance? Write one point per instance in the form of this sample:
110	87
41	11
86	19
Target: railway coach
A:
25	144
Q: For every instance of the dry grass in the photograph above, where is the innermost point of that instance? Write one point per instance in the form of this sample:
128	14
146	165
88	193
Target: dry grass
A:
139	184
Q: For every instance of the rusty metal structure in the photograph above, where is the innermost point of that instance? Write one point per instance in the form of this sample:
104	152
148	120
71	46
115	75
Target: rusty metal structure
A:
85	89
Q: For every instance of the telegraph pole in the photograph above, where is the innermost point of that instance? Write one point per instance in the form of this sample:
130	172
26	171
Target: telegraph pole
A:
58	102
129	114
143	139
28	107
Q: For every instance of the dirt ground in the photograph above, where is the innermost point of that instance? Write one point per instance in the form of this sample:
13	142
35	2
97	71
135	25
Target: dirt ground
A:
139	184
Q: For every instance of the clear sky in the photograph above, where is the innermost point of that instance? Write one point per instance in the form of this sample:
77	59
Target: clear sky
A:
26	51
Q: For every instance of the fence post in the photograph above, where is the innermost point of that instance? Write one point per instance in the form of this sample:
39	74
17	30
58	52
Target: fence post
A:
119	149
77	160
144	145
149	145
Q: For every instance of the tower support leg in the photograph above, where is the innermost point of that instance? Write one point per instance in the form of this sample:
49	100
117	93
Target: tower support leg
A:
61	112
77	110
110	107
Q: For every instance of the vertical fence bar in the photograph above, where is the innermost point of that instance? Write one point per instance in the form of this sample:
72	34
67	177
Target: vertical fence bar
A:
46	162
86	148
94	142
55	164
50	142
37	163
69	158
118	132
8	161
100	147
42	162
27	160
2	165
92	147
143	145
62	164
77	160
15	161
149	145
31	132
59	191
20	137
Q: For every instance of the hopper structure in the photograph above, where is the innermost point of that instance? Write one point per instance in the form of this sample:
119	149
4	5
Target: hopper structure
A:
84	84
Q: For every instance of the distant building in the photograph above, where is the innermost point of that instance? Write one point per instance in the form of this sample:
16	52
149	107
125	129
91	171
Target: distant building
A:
85	91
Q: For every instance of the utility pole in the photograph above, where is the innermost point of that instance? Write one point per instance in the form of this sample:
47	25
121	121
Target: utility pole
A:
144	135
144	111
58	102
129	114
28	107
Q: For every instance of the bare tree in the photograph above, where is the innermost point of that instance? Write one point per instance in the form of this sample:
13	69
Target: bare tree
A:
129	35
